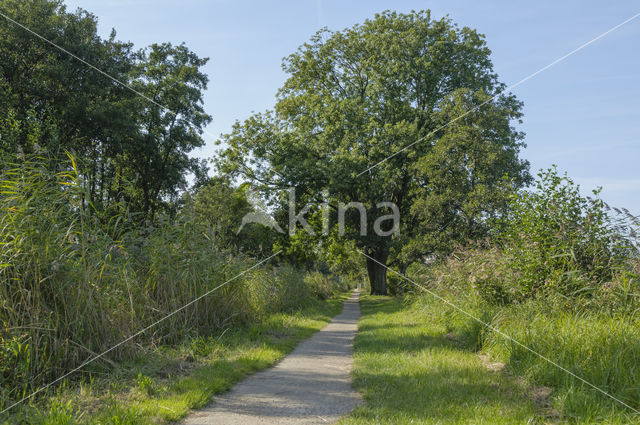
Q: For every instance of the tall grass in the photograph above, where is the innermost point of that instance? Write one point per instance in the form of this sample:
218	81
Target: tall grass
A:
595	333
71	286
562	277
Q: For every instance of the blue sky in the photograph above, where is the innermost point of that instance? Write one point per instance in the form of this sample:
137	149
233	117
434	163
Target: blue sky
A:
582	114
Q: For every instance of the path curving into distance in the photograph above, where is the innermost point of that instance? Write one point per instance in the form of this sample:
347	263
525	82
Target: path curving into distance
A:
312	385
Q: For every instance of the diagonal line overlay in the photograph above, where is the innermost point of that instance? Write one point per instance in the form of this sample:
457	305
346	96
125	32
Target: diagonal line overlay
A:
92	359
525	79
502	334
560	59
95	68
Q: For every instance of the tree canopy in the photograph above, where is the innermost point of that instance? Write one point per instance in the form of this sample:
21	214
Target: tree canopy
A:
355	98
129	148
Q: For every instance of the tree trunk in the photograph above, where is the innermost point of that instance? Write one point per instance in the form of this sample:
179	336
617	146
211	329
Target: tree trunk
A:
377	272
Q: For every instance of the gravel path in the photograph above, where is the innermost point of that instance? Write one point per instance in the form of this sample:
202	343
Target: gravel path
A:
309	386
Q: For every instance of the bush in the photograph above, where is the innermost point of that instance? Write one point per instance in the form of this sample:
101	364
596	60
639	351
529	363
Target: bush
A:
563	280
595	337
397	285
557	240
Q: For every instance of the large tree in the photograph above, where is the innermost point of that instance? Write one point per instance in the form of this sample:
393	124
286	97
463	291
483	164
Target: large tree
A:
355	98
128	147
170	127
74	107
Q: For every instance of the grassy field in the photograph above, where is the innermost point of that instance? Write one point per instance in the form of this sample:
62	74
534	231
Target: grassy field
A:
411	371
164	385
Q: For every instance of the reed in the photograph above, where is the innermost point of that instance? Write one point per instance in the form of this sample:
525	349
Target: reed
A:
72	286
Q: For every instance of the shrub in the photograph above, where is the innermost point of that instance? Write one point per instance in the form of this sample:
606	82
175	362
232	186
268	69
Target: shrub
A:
555	239
563	280
325	285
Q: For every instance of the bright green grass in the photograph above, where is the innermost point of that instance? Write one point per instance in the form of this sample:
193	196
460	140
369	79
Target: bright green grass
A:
410	372
601	349
164	385
597	346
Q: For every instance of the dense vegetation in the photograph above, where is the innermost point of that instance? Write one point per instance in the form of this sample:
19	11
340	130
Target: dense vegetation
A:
493	332
101	235
163	383
561	276
70	289
132	142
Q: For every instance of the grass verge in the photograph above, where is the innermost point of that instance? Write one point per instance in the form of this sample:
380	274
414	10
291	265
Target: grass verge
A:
411	371
595	335
164	384
597	346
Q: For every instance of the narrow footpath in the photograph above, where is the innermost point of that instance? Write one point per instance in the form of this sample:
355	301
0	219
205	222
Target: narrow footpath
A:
312	385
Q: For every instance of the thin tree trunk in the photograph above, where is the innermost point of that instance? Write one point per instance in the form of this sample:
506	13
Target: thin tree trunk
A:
377	272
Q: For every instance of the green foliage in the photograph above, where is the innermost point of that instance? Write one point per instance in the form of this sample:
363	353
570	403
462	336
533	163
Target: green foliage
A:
59	264
469	174
198	369
203	347
397	285
600	347
55	267
558	240
146	384
220	207
584	321
170	127
130	148
58	414
325	286
76	106
553	242
359	96
343	259
117	415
